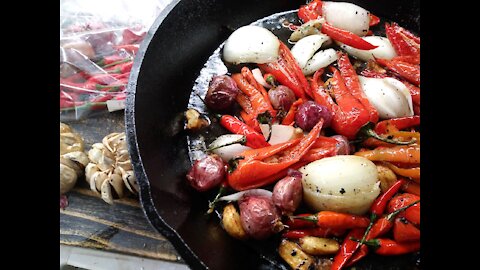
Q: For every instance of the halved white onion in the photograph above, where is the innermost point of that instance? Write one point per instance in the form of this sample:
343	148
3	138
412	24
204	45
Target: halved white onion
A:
347	16
344	183
384	50
389	96
230	151
251	44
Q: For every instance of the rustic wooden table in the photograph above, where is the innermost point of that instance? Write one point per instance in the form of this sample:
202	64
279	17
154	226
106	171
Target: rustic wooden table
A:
89	222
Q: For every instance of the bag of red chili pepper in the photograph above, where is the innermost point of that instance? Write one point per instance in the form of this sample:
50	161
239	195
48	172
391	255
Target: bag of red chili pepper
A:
98	42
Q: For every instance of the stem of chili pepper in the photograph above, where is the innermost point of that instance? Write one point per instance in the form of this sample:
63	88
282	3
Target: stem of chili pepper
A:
270	79
386	247
221	191
241	141
367	131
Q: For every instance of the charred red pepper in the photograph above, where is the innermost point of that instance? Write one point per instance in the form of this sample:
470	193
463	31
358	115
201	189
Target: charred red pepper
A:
404	42
382	127
290	117
254	138
256	169
351	109
408	71
286	71
346	37
311	11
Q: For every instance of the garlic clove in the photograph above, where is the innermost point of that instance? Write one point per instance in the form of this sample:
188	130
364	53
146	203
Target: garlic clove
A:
106	191
64	128
90	169
72	165
97	180
79	157
68	178
70	142
116	182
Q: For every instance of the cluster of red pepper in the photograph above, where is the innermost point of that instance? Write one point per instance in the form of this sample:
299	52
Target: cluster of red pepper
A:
87	90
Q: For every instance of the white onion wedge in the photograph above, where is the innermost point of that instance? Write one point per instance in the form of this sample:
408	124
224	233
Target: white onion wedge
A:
347	16
257	74
389	96
306	47
251	44
280	133
320	60
251	192
231	149
384	50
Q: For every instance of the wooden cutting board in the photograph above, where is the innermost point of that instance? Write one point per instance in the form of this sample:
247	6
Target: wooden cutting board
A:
90	222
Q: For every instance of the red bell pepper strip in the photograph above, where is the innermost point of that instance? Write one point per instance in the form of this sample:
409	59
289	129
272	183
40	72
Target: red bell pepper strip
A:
346	37
255	170
254	138
311	11
403	41
374	20
286	71
400	123
351	111
347	249
336	220
404	231
405	70
290	117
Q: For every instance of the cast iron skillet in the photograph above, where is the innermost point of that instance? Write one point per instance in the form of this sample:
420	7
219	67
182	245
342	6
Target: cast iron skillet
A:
169	60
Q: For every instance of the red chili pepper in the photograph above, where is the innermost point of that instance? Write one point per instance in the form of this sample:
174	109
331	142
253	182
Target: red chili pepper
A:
398	123
311	11
405	70
256	169
388	247
351	109
336	220
411	187
404	231
380	203
317	232
287	72
346	37
298	223
374	20
254	138
323	147
412	214
290	117
120	68
347	249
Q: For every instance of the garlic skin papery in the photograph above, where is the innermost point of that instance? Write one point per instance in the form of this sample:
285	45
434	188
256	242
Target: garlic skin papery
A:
110	169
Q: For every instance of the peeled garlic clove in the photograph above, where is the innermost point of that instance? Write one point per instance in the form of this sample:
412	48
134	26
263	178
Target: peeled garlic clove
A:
68	178
126	165
116	182
97	180
111	141
123	155
90	169
130	181
100	155
78	157
106	191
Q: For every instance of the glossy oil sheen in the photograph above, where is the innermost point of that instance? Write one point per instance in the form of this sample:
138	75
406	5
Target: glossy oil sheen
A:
163	76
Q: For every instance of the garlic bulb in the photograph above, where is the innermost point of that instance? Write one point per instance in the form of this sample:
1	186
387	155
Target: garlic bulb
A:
72	158
110	169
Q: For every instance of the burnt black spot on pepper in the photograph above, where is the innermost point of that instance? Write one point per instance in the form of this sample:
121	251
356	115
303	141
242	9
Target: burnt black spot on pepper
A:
342	191
390	137
294	253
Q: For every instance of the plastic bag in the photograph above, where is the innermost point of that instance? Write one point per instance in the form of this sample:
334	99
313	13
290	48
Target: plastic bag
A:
98	42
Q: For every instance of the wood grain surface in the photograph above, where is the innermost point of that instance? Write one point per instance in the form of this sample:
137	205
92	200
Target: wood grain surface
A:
90	222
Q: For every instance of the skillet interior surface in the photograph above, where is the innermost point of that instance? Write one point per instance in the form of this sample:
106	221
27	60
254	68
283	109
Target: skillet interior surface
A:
169	61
